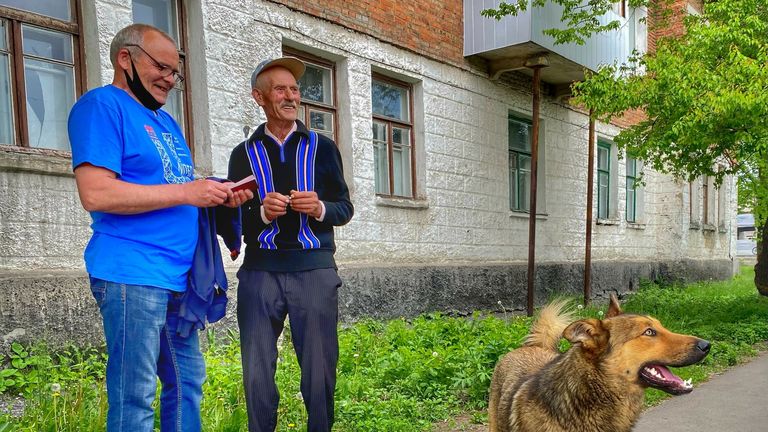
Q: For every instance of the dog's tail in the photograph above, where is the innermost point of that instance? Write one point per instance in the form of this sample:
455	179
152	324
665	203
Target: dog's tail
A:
548	328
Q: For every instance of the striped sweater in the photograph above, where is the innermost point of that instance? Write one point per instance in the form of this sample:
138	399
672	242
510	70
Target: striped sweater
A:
295	241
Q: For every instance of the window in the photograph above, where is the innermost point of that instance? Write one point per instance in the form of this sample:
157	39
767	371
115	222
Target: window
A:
620	8
722	203
168	16
632	186
705	200
694	195
6	110
318	95
603	179
711	201
392	137
40	72
519	163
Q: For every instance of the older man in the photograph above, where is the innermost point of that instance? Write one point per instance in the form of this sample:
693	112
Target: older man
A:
289	268
134	174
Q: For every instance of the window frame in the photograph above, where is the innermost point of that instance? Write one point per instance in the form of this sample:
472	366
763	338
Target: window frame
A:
319	106
722	214
606	170
634	190
620	8
17	18
705	197
521	207
187	93
186	89
397	123
694	199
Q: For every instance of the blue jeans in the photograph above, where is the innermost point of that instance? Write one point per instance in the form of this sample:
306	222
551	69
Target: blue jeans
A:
142	345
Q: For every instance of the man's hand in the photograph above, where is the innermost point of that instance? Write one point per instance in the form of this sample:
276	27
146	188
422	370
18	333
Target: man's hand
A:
238	198
275	205
307	203
207	193
101	191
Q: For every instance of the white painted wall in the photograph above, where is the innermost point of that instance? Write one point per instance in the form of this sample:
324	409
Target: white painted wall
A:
461	142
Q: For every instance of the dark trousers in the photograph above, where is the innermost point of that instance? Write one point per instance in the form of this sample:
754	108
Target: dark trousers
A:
310	298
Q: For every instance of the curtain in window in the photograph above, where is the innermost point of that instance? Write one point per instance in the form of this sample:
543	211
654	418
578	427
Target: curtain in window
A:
49	76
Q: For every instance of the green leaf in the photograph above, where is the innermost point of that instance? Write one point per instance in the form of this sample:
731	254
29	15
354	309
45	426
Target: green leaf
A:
18	349
704	95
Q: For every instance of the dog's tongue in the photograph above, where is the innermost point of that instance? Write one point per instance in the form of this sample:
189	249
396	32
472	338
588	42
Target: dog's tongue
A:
660	377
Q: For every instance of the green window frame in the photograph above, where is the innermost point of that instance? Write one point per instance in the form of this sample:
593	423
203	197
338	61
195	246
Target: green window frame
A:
631	185
519	148
603	179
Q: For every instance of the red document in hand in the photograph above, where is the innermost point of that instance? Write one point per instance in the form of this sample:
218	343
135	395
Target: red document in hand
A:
246	183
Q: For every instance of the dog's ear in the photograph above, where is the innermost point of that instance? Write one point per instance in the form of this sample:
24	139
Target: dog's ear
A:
589	333
614	307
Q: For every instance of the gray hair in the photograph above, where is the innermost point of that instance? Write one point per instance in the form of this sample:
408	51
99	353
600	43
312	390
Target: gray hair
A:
132	35
257	81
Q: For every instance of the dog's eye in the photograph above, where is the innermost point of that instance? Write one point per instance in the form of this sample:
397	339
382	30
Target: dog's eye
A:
650	332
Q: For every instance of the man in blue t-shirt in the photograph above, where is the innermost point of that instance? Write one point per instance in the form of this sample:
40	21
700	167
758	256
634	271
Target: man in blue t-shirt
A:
134	174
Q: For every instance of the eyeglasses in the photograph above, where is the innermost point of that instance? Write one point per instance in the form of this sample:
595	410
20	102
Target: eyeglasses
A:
164	70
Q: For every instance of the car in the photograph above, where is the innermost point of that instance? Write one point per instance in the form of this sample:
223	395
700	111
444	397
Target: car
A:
746	248
746	245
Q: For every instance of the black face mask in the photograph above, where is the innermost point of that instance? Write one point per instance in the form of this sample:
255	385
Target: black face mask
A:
141	93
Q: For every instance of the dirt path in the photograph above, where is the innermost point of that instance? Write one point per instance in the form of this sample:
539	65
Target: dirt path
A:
462	423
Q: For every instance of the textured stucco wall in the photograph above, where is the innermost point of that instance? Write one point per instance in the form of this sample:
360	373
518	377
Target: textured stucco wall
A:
460	216
463	213
42	224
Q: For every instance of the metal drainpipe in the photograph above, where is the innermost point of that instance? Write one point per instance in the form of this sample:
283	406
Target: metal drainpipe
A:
534	174
590	190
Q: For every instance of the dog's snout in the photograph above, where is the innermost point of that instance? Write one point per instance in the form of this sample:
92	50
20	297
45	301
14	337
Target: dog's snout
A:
703	345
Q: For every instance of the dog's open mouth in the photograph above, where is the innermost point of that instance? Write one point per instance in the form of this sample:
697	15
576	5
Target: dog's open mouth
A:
658	376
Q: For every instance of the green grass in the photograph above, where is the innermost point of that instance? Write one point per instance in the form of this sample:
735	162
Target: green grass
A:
399	375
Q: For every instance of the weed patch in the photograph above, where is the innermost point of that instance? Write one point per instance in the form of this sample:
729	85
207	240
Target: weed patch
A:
399	375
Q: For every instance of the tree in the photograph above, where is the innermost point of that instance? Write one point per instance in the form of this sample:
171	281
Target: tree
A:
704	94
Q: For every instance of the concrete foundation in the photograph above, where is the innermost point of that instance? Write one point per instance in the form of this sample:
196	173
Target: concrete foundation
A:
57	307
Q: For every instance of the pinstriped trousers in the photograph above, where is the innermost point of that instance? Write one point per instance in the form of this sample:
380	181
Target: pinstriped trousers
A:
310	299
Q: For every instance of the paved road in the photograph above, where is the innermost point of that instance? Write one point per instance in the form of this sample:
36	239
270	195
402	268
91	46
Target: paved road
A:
734	401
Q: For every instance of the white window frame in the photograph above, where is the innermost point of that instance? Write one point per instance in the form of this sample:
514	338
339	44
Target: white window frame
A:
722	205
694	203
709	201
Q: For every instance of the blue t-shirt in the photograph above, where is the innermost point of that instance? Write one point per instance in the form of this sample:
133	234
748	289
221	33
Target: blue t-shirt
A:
110	129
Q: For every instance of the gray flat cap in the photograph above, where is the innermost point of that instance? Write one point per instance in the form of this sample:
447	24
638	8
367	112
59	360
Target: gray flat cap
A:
294	65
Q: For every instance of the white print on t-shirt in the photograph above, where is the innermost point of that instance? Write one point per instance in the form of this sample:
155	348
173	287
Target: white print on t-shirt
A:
183	172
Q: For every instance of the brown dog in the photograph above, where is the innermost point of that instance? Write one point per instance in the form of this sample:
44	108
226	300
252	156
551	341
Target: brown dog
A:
597	385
